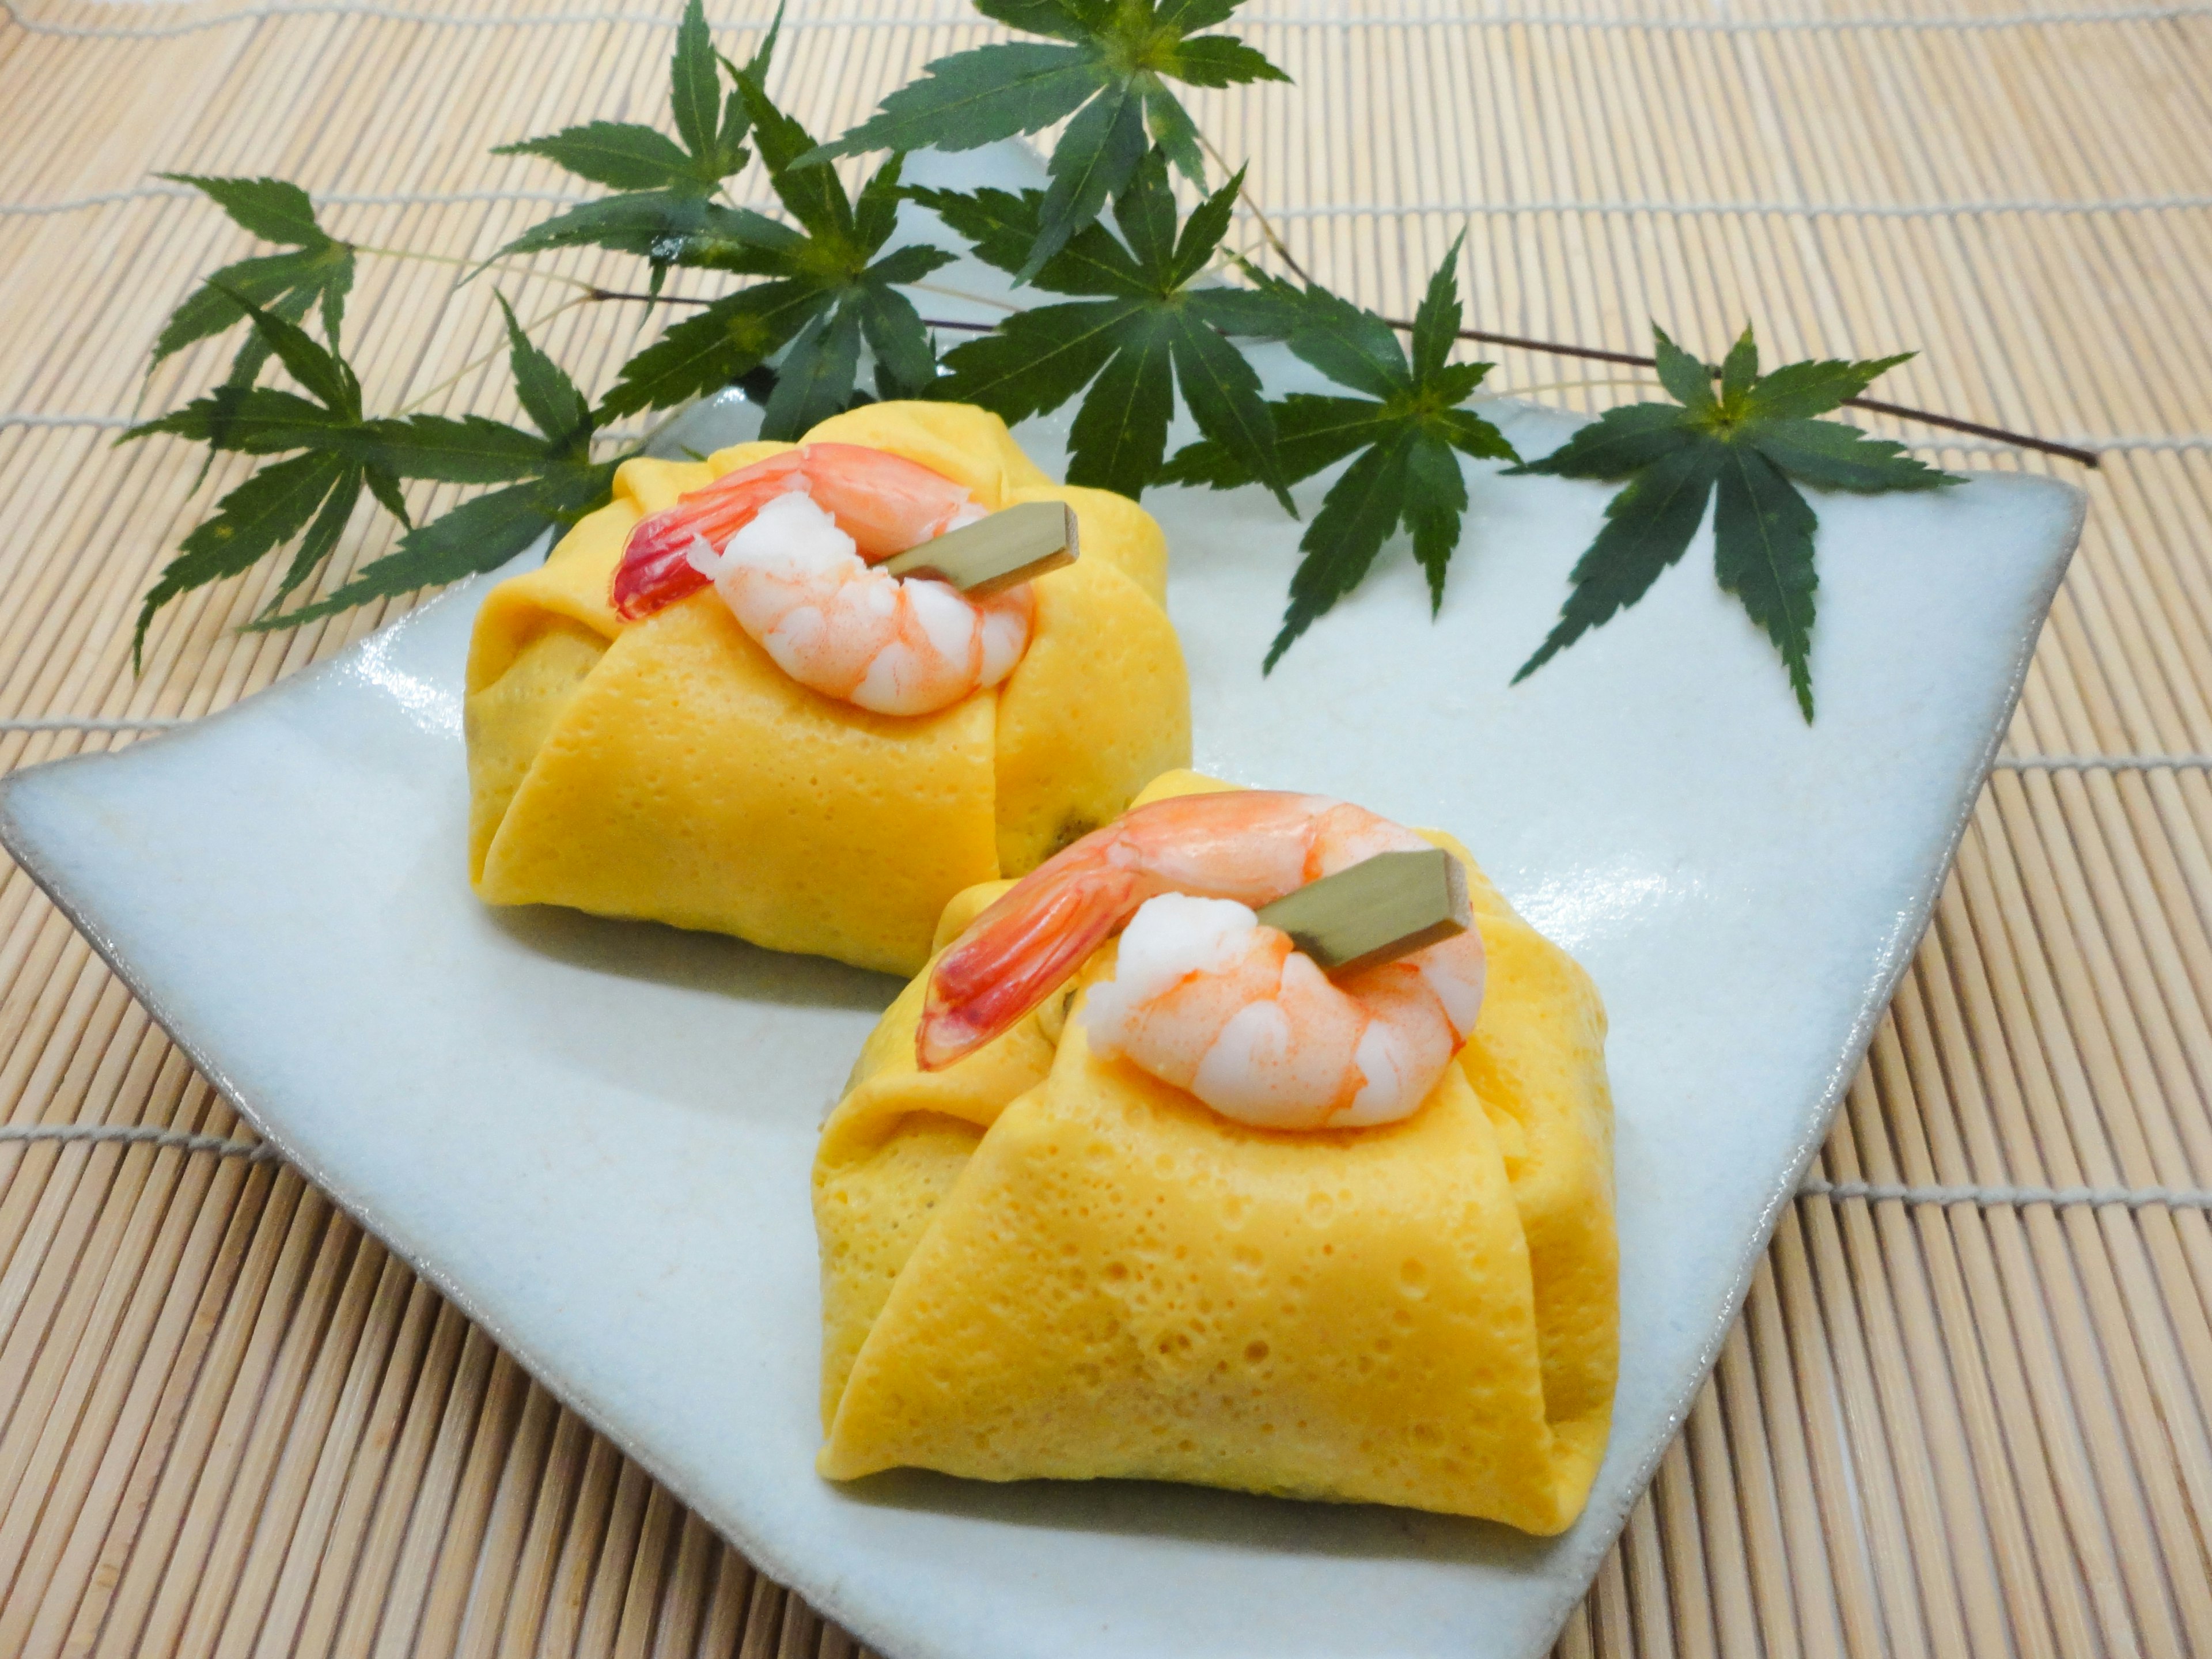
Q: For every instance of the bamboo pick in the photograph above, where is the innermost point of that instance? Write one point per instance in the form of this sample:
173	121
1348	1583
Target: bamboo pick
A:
1013	545
2042	1608
1954	1521
1648	1597
483	1613
1383	907
2063	1248
487	1426
1682	1565
762	1638
1719	1522
29	1296
726	1608
539	1547
34	1208
682	1600
1995	1249
1737	1387
1889	1429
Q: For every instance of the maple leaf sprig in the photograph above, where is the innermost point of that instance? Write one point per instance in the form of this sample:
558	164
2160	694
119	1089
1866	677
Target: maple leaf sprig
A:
276	503
830	287
1142	327
549	476
1752	442
320	269
336	451
1407	430
663	188
1109	71
1142	331
828	292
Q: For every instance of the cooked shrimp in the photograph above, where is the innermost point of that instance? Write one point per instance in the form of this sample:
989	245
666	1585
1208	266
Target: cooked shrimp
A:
796	582
1204	995
885	502
799	534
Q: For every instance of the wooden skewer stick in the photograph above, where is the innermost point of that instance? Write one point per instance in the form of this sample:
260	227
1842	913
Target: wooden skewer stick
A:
1014	545
1380	909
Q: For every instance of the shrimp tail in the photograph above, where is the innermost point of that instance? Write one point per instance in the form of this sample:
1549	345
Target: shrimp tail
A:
1019	952
656	569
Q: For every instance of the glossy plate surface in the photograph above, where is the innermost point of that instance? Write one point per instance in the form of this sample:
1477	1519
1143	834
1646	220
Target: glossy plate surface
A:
596	1137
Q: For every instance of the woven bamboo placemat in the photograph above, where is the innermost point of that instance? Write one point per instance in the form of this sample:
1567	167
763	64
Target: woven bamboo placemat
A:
1966	1410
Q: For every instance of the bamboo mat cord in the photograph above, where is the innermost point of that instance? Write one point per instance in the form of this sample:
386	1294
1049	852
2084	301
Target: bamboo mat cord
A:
1968	1407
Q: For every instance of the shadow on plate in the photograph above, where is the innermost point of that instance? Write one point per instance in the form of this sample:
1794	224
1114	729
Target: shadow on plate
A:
1203	1515
712	962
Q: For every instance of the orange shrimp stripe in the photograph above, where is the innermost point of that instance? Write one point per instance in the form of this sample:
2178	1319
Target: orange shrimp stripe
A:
629	768
1036	1262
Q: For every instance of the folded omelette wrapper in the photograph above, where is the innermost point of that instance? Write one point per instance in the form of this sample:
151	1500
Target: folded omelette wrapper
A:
1040	1262
667	769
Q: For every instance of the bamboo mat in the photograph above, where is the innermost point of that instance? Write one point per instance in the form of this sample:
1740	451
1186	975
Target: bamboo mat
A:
1966	1408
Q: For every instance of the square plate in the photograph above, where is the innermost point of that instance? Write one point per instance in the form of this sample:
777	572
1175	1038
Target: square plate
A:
595	1137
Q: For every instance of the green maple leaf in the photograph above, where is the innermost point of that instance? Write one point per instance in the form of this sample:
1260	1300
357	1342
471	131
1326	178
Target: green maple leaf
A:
1108	73
554	482
1406	433
1146	333
279	502
335	453
662	185
830	287
1751	442
319	271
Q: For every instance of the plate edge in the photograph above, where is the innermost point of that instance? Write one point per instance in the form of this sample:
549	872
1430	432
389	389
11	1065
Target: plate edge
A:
1903	945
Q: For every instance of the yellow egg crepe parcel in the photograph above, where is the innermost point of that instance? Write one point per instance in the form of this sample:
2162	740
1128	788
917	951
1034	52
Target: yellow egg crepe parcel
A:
1038	1261
666	768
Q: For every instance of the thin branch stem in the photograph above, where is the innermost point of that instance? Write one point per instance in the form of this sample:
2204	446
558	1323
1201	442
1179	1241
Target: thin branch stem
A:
1975	428
1007	306
1260	214
472	265
1503	391
1875	405
474	364
692	300
641	439
593	293
646	299
1593	354
1484	337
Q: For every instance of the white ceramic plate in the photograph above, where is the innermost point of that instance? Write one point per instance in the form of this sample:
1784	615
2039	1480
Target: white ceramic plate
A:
595	1137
